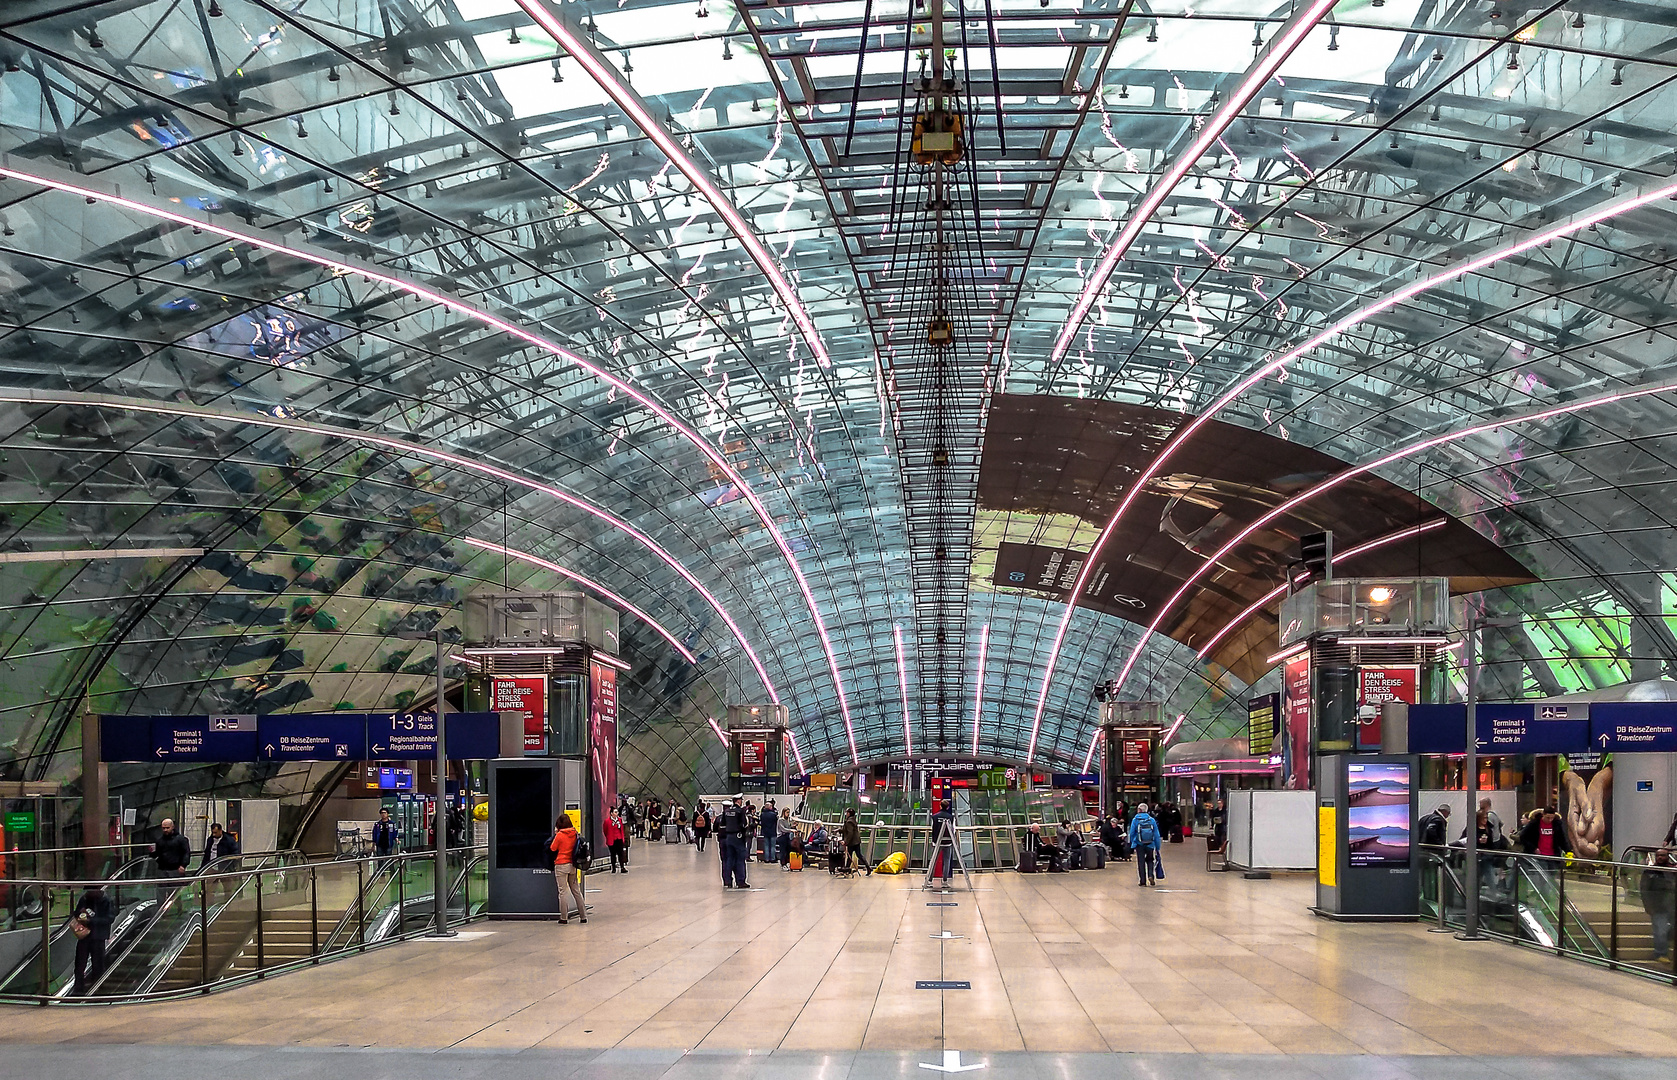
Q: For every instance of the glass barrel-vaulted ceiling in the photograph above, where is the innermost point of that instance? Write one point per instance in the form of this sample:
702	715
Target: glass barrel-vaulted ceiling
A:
310	309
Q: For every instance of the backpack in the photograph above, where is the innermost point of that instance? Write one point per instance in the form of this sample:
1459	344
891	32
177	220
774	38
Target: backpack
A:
1146	835
582	853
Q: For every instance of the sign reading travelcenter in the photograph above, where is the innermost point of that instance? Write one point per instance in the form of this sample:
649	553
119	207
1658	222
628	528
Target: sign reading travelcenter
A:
298	737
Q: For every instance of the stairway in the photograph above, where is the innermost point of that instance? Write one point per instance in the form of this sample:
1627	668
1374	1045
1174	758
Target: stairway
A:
1636	933
287	935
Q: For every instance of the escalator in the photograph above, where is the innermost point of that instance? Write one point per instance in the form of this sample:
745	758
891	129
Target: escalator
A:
132	906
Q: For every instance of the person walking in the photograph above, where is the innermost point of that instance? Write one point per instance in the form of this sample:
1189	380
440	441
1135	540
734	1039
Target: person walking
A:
769	823
1658	887
384	835
734	829
852	835
701	826
171	851
220	844
567	861
1145	839
616	843
92	927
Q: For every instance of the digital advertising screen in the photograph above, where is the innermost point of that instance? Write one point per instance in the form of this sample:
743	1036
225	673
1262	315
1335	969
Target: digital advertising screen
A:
1377	813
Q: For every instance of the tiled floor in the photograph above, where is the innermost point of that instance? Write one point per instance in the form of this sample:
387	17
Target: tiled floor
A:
819	970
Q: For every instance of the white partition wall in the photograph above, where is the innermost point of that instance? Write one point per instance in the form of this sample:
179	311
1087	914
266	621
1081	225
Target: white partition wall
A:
1272	830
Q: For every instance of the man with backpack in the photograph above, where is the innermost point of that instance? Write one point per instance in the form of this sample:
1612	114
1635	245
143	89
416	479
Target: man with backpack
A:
734	829
1145	838
1434	829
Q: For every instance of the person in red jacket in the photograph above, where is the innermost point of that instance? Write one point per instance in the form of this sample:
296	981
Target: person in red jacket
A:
617	842
565	873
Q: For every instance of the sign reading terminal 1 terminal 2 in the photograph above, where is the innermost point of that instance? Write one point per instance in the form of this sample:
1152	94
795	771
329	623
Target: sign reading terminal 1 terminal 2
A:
298	737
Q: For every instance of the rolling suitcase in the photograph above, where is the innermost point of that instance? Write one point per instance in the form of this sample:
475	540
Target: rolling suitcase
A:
1094	857
1027	862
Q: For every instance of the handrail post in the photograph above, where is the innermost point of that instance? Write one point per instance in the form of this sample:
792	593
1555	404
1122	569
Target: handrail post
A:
401	872
360	904
1613	924
46	944
203	935
314	914
261	953
1560	911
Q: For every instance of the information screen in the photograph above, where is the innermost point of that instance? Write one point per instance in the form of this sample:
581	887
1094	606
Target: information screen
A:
524	816
1377	814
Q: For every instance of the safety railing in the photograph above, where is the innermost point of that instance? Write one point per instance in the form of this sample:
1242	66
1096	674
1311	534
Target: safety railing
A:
983	847
1612	913
173	936
79	863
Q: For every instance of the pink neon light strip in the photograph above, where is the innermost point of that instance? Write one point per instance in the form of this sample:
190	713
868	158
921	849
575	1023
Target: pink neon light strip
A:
109	401
537	560
461	307
720	734
1396	455
793	739
630	102
1269	597
902	683
978	695
1281	46
1187	431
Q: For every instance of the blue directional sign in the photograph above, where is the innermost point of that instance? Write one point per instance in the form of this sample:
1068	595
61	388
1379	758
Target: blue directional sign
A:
1633	727
191	738
312	737
297	737
1438	729
410	736
1507	730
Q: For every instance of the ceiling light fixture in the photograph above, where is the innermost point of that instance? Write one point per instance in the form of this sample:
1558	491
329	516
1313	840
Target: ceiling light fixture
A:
902	684
1390	300
99	190
585	54
1339	557
1281	46
978	695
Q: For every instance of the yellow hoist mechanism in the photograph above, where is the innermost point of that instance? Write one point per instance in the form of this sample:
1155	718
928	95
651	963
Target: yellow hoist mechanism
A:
940	332
937	133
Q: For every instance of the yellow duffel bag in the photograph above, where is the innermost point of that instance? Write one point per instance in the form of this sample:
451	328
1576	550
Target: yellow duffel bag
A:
894	863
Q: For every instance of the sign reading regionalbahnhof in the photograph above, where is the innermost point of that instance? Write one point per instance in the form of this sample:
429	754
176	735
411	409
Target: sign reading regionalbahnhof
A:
298	737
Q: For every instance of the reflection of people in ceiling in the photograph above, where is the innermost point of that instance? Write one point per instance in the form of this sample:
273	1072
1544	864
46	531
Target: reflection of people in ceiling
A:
1203	513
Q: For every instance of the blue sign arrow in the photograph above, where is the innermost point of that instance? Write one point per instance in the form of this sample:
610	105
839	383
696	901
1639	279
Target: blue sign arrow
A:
312	737
191	738
1634	727
413	736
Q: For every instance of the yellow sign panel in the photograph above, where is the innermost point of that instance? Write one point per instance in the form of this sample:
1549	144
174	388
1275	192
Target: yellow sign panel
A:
1327	827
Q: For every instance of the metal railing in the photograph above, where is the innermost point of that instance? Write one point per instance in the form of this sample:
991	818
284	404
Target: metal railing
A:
185	935
983	847
1617	914
27	864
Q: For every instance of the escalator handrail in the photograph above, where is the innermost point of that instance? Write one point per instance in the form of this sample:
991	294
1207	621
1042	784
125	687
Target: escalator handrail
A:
370	899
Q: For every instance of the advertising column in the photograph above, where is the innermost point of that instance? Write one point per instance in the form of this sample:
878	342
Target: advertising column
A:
602	737
1295	749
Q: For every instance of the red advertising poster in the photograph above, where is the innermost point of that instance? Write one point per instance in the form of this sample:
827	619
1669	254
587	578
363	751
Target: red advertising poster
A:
525	695
1136	757
1296	682
1376	687
602	732
754	758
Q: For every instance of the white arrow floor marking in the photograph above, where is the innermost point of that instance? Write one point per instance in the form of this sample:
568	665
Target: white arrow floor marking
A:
951	1064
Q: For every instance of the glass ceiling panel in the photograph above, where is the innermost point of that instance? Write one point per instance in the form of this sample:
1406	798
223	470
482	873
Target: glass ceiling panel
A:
455	146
